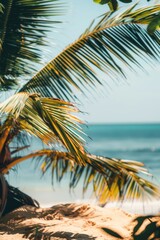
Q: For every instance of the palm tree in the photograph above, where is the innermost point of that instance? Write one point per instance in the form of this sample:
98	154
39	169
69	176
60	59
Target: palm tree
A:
42	107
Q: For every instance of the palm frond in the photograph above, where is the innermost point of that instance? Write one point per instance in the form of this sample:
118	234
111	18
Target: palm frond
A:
51	120
103	47
23	30
111	178
1	8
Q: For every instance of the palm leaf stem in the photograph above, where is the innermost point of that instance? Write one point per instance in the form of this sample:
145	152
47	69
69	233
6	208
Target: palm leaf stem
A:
18	160
4	136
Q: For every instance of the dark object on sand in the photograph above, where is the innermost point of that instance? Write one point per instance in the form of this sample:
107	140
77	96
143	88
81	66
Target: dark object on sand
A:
12	198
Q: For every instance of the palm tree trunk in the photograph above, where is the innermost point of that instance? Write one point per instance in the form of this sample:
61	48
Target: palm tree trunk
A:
3	194
12	198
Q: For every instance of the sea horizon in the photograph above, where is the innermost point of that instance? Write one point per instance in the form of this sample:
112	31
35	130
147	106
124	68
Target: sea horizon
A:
123	123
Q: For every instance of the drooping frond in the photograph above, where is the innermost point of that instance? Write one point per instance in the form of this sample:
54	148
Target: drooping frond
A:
49	119
110	178
114	40
23	29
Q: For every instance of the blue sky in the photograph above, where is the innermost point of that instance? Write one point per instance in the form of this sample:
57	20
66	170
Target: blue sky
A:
136	100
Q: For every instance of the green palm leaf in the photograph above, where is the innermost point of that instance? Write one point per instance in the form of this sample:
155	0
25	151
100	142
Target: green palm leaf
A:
113	40
52	120
111	178
23	30
1	8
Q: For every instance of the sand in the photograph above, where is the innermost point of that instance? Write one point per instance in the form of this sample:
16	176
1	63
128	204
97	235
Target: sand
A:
71	221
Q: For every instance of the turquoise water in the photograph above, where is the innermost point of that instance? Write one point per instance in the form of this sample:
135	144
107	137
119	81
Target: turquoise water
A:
139	142
127	141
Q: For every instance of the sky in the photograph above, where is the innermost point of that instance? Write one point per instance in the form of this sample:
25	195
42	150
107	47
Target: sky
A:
135	100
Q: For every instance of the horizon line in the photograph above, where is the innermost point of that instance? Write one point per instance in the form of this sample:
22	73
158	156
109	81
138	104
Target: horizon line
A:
122	123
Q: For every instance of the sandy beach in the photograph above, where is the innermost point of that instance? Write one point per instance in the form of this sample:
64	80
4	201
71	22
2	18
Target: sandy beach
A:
71	221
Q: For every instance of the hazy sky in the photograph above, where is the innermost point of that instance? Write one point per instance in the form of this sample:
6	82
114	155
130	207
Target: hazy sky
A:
137	100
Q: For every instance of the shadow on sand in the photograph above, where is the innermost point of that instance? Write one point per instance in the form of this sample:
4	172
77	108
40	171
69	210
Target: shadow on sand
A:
20	221
146	228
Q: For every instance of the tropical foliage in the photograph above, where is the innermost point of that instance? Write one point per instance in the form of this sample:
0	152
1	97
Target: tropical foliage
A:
40	106
101	48
114	4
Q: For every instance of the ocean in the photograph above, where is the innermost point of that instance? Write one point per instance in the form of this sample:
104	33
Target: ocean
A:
139	142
